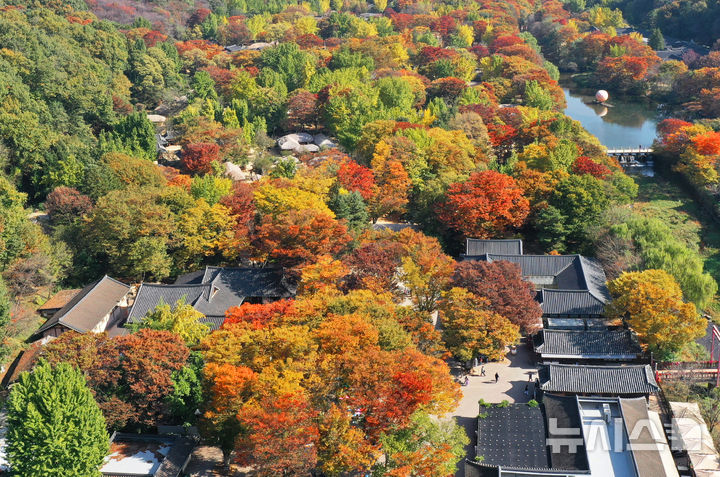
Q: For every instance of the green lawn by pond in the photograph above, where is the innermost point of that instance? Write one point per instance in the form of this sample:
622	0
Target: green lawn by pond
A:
662	199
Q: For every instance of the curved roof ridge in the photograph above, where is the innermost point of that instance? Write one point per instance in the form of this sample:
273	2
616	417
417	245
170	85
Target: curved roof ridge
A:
173	285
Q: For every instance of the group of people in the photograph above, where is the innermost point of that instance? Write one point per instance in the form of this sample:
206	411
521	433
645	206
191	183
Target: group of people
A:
466	380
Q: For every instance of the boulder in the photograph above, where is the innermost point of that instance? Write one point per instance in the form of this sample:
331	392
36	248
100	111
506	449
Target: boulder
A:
288	144
304	137
307	148
234	172
323	141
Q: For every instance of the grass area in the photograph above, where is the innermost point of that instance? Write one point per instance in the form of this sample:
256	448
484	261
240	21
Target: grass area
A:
664	200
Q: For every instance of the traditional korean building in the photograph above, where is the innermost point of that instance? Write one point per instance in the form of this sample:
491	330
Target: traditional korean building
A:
213	291
609	380
571	289
588	347
570	436
93	309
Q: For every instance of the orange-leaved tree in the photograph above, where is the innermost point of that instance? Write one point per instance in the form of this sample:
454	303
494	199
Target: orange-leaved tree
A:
488	204
426	270
228	388
282	435
331	375
502	285
295	239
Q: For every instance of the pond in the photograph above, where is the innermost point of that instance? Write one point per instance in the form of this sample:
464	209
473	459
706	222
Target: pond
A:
619	125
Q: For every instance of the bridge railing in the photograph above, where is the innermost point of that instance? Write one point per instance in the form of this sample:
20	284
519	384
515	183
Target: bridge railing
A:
643	150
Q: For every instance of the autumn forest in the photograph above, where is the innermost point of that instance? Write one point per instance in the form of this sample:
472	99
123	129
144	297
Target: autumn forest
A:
354	146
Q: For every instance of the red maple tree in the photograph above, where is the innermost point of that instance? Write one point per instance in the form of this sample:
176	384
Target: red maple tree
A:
487	204
198	157
356	178
502	284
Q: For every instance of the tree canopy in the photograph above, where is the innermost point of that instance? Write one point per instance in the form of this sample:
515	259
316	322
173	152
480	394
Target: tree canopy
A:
55	427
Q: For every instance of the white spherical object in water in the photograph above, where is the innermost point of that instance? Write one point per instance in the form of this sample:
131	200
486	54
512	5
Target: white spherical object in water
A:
601	96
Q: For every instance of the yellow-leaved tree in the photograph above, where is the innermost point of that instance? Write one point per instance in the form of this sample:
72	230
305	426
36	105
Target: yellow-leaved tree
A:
181	319
652	305
471	328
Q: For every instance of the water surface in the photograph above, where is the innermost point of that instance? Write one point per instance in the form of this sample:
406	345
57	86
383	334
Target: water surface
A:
621	124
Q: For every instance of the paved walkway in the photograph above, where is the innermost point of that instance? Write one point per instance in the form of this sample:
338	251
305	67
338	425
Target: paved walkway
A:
206	461
514	373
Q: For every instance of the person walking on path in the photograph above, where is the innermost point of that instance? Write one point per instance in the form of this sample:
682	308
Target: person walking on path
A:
497	377
527	390
482	371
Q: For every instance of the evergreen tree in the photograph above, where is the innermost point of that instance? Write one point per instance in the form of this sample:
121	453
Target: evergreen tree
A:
55	427
656	40
351	207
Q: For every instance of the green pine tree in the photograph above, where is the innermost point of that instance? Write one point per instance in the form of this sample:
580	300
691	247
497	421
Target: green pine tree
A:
656	40
351	207
55	427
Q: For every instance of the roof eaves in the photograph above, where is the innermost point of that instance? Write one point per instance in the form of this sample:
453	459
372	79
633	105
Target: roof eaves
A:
47	325
588	356
137	294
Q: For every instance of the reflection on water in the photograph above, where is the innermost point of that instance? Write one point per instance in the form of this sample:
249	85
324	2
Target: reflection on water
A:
617	124
646	169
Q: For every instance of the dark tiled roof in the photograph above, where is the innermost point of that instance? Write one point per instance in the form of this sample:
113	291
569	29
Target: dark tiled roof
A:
85	310
570	272
214	322
513	436
192	278
595	279
588	344
218	290
614	380
570	302
250	282
537	265
502	247
149	295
